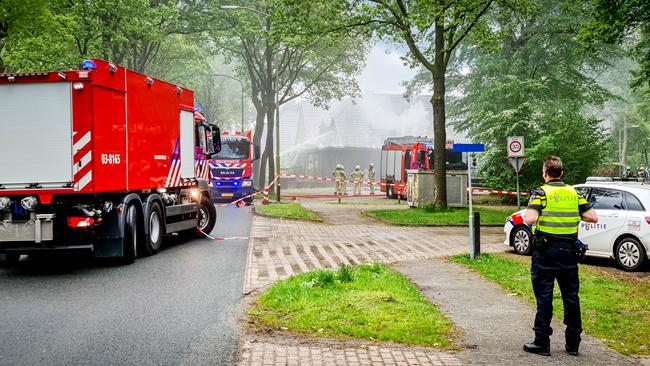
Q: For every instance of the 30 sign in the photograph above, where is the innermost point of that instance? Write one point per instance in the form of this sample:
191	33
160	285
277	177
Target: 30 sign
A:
516	147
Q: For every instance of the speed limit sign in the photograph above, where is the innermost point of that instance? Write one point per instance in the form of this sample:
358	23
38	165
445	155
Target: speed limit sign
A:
516	147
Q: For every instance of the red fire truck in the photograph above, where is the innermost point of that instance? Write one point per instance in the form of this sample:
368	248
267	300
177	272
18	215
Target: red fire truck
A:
231	170
101	159
401	153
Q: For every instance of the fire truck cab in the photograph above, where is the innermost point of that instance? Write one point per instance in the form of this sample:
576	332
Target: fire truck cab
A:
401	153
231	170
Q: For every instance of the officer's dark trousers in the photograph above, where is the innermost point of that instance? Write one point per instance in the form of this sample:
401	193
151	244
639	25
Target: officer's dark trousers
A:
543	281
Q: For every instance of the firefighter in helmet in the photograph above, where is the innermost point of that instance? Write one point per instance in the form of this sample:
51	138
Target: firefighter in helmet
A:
371	177
357	176
339	179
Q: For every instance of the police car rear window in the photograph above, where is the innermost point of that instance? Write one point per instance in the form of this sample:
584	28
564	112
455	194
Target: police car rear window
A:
633	203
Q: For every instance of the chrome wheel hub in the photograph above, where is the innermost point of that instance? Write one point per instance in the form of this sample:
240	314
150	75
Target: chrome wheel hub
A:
154	227
629	254
203	217
521	241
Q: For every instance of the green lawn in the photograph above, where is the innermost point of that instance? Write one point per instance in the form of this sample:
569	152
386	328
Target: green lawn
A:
291	210
370	302
451	216
615	309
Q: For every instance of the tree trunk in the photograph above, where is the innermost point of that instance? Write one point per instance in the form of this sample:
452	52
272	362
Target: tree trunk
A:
270	146
267	154
439	123
257	140
624	145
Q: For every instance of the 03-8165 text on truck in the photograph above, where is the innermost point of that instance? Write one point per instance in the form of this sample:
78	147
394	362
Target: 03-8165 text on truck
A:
102	159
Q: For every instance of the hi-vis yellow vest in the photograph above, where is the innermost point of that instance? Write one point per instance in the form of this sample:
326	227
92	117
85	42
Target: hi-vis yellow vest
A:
560	214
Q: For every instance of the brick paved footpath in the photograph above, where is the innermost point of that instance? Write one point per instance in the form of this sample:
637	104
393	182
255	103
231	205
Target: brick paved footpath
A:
280	248
271	352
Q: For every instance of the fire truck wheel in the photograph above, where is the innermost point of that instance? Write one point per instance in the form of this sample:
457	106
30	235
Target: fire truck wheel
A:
155	226
207	215
130	240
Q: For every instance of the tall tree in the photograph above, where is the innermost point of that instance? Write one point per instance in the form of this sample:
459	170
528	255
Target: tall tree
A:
283	64
535	81
60	33
618	21
432	30
35	35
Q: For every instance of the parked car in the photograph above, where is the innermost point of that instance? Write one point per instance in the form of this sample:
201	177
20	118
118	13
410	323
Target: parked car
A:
622	232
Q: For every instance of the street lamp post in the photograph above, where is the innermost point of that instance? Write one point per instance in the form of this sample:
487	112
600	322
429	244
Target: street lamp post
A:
242	95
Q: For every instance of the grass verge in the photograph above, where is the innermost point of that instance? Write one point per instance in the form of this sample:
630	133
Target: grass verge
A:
614	309
290	210
450	216
370	302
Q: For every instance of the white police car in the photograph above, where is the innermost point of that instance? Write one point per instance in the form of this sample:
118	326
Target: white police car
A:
622	231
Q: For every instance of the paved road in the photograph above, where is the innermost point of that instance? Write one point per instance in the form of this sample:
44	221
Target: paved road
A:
178	307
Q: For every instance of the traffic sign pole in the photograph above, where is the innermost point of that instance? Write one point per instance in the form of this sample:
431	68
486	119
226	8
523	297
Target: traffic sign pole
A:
516	158
471	215
518	201
470	148
517	163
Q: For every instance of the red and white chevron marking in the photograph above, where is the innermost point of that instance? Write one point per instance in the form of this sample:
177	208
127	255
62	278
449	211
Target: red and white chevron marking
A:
229	164
228	178
82	157
202	169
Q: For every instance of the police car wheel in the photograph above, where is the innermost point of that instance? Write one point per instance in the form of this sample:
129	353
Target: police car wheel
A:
630	254
521	239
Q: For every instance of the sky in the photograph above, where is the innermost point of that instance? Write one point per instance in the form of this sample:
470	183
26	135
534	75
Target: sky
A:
384	71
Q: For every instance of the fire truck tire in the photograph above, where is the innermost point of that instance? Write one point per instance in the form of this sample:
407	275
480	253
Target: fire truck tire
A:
155	222
207	215
389	192
130	240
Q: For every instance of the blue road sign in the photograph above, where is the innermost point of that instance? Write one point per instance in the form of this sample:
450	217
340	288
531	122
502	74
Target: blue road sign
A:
468	148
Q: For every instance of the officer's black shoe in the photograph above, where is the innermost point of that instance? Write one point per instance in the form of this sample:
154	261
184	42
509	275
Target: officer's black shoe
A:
572	350
537	349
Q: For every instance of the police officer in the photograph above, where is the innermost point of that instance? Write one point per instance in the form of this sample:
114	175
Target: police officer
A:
556	208
371	177
357	176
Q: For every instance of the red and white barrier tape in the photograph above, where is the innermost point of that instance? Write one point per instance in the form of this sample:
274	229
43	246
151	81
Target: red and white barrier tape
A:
495	191
221	239
265	192
322	179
